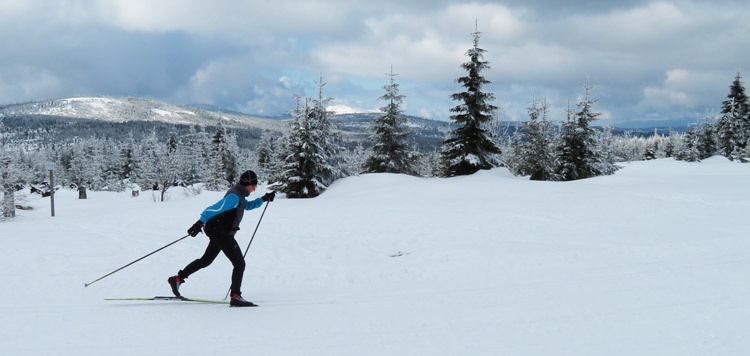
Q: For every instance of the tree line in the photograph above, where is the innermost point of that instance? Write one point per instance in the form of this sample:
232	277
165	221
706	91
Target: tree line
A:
303	161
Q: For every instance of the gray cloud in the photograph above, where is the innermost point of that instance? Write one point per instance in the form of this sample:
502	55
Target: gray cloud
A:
658	59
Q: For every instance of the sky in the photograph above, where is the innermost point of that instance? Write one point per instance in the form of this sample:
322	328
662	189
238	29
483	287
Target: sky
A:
646	60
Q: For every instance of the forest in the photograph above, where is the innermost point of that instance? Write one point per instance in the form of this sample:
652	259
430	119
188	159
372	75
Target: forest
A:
303	159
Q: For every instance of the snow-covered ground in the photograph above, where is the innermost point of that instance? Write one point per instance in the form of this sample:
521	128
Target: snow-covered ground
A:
654	260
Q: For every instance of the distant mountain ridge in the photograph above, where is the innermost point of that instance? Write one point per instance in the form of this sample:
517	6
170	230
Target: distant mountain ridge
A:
120	110
93	116
61	119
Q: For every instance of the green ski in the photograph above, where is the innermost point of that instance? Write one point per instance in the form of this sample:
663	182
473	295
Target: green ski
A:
178	299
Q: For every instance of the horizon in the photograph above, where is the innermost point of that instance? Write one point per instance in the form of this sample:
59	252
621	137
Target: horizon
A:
340	110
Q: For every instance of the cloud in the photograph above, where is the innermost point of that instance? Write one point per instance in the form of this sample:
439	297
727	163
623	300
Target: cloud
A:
687	90
668	58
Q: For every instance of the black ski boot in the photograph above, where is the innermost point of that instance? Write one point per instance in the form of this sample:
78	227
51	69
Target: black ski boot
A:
238	301
174	283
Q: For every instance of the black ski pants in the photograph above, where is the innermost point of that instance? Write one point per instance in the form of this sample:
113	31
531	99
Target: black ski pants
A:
221	243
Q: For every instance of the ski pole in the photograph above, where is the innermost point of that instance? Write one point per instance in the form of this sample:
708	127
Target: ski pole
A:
119	269
251	241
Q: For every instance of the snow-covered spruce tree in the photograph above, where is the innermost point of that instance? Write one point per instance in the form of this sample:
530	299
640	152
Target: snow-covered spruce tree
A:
222	160
580	153
391	153
650	152
86	166
8	202
699	142
160	165
7	185
355	158
193	155
311	153
268	151
129	165
467	148
607	154
707	138
689	151
535	150
733	128
109	156
17	168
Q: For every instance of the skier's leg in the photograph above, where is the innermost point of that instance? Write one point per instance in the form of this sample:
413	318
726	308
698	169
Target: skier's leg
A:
233	252
212	250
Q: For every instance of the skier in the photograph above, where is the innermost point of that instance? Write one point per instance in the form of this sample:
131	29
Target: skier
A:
221	221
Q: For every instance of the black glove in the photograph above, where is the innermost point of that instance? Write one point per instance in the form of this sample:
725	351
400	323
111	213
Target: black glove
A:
269	196
195	229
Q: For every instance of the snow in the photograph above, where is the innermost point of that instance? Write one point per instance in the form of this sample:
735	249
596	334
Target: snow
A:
650	261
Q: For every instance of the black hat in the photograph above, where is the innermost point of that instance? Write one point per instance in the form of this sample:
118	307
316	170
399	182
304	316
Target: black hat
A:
248	178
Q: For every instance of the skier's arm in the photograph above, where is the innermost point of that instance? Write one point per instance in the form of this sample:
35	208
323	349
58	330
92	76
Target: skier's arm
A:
228	202
252	204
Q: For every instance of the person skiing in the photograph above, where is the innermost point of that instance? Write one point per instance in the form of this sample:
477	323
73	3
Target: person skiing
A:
221	221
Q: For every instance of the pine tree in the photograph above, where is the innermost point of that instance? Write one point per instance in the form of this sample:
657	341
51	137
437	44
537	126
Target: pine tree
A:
86	166
707	144
390	152
160	165
7	183
7	190
467	149
312	154
111	165
193	157
268	151
606	155
689	151
733	128
223	160
535	151
699	142
127	157
580	154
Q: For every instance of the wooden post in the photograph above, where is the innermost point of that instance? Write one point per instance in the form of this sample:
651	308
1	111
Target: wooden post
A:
52	187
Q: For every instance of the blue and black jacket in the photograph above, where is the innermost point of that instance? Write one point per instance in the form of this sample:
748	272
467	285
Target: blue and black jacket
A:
224	217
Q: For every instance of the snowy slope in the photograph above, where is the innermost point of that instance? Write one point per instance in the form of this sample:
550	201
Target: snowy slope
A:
113	109
650	261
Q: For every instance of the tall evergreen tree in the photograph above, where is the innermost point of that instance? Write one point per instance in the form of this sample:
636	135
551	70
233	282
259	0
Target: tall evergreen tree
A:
268	151
690	143
160	165
707	143
8	178
193	156
86	167
312	158
7	185
699	142
468	149
391	153
223	160
128	159
535	153
8	203
580	154
733	128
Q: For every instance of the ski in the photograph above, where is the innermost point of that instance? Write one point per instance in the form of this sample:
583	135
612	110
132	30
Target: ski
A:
172	298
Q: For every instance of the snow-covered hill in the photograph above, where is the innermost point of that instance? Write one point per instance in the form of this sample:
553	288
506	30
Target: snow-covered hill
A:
650	261
427	134
136	109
